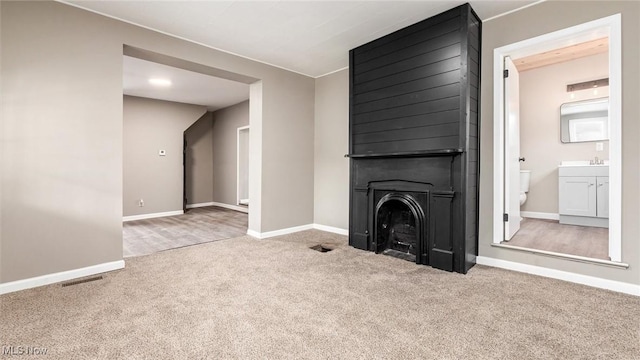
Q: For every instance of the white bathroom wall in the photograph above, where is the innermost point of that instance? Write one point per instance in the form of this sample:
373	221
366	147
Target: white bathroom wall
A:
542	91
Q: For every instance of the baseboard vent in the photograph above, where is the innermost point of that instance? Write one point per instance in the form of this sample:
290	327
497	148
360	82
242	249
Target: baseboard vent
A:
82	281
321	248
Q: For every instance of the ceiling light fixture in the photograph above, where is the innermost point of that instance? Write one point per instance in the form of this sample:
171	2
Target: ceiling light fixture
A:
588	85
159	82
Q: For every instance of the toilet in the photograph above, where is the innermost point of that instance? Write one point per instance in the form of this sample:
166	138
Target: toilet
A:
525	178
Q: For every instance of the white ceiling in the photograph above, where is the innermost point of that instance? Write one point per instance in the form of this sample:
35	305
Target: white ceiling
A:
308	37
187	86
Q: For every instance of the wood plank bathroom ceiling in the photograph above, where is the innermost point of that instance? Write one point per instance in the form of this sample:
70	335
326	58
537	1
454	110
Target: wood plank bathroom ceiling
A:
568	53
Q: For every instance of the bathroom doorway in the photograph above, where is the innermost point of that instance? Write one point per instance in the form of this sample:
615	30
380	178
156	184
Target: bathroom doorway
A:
559	194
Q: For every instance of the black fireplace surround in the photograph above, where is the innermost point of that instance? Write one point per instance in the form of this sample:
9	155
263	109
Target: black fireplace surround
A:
414	142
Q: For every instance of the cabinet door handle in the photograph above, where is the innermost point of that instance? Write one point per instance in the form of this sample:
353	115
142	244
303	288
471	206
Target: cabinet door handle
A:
591	184
600	184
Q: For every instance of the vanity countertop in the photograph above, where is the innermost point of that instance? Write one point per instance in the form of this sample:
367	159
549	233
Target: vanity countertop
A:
587	163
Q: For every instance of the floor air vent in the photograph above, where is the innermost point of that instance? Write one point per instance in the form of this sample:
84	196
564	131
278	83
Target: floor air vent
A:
82	281
321	248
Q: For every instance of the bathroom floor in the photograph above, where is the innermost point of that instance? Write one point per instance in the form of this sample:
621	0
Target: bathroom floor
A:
550	235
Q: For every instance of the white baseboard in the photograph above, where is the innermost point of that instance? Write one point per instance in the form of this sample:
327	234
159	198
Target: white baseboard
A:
286	231
331	229
198	205
612	285
60	276
152	216
539	215
295	229
243	209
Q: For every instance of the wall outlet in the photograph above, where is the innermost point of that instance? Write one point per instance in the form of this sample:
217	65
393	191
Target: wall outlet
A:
141	203
599	146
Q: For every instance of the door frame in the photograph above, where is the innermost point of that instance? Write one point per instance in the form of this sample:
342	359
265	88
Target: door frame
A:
609	26
238	149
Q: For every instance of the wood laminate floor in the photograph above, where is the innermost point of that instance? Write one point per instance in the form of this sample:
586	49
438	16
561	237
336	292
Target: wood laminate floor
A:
550	235
197	226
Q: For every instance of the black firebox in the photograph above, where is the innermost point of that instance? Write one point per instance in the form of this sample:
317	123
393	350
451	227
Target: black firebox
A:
414	142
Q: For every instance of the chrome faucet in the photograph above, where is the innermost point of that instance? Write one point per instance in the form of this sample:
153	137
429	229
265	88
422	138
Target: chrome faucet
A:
596	161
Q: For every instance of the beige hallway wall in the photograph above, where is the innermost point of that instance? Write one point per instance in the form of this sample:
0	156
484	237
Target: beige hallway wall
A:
331	178
149	126
63	135
225	141
199	166
540	19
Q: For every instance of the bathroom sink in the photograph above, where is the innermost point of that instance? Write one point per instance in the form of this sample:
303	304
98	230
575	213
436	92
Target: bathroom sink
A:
582	163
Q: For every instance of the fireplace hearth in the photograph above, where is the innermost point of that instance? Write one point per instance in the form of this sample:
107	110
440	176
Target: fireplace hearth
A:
414	142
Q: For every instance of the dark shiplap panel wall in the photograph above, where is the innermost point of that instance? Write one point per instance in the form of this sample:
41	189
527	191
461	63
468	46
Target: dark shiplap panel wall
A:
414	91
406	88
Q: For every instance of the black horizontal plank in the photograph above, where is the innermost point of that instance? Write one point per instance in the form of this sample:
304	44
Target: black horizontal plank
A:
368	50
474	106
473	93
411	46
408	64
408	99
408	145
420	72
473	117
451	103
473	79
473	68
429	82
443	117
424	132
473	131
473	54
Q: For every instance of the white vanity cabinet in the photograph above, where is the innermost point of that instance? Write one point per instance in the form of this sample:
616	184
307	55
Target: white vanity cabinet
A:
584	195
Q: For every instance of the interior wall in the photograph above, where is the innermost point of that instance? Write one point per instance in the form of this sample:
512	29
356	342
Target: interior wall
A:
149	126
199	160
537	20
331	143
62	115
225	149
542	92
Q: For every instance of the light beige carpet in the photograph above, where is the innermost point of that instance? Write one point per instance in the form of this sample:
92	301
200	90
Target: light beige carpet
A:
277	299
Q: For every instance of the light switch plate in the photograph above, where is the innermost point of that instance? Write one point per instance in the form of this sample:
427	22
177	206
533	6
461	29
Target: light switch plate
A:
162	153
599	146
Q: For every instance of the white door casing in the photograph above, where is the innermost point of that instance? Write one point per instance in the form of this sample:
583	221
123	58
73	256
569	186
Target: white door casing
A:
610	26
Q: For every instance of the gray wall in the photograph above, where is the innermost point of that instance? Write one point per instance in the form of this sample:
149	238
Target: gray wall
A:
542	91
149	126
331	178
541	19
225	134
199	164
63	136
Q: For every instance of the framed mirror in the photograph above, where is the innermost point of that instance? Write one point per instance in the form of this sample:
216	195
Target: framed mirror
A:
586	120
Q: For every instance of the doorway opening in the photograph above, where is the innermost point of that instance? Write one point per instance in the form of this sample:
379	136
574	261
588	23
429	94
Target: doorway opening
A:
559	197
180	152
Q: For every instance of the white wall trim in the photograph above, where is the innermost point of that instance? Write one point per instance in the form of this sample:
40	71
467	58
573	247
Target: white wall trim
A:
152	215
199	205
608	26
243	209
331	229
239	131
24	284
286	231
612	285
539	215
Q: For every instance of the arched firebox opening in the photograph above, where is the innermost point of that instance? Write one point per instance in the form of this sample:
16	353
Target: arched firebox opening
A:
398	227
